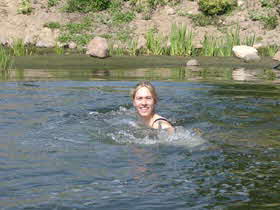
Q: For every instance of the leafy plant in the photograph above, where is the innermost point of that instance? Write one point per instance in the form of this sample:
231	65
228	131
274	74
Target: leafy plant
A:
52	3
216	7
52	25
25	7
80	33
269	3
123	17
270	22
85	6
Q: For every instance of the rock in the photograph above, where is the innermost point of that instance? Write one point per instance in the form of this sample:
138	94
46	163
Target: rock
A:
258	45
98	47
170	11
72	45
192	62
141	43
277	56
246	53
240	3
47	38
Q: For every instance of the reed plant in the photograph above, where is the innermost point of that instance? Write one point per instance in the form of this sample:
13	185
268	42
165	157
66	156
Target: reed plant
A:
269	50
18	48
181	41
156	43
59	50
6	60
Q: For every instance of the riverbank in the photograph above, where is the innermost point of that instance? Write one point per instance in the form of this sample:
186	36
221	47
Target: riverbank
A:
49	25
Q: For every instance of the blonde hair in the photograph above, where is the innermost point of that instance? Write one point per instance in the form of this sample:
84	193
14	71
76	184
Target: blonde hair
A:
146	84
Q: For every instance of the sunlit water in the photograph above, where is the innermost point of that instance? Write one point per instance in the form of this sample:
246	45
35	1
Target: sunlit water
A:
76	143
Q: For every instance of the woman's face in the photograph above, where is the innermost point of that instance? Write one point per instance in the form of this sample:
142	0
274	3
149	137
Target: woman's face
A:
144	102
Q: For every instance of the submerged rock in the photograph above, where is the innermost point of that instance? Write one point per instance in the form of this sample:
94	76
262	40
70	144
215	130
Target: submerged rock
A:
277	56
98	47
246	53
192	62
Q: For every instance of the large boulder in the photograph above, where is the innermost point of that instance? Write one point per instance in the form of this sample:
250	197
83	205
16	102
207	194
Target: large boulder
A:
98	47
246	53
277	56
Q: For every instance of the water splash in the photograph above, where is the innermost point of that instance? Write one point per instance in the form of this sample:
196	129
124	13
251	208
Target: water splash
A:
122	127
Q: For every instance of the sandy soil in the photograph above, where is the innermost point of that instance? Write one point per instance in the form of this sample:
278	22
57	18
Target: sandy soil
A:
31	28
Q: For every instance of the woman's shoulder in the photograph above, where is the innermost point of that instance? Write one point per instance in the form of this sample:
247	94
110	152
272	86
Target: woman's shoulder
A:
161	122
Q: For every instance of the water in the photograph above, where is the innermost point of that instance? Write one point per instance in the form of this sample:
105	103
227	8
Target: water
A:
71	140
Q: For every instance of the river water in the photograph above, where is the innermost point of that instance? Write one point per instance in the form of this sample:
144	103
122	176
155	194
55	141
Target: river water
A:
71	140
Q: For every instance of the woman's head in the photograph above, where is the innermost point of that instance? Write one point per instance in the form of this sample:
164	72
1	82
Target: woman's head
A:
144	99
149	86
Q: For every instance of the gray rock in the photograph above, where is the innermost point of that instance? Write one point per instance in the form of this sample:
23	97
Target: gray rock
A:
246	53
277	56
192	62
98	47
72	45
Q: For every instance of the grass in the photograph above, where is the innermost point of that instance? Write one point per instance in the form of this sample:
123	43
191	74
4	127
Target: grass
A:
25	7
18	48
204	20
156	43
52	3
268	20
269	50
6	60
52	25
181	41
79	33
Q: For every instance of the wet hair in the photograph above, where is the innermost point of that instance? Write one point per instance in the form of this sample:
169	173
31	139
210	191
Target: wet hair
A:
146	84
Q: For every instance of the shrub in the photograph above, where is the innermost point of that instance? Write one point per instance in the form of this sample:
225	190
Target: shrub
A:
85	6
25	7
216	7
52	3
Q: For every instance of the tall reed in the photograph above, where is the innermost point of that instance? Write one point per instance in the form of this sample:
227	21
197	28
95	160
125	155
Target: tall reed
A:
156	43
6	60
18	48
181	41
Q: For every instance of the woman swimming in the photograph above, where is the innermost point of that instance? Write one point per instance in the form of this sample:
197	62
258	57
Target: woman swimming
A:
144	99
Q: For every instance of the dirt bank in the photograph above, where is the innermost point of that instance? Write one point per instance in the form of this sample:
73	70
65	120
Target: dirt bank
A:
31	28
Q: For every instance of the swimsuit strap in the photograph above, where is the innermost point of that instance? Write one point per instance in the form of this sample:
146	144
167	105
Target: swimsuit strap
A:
161	119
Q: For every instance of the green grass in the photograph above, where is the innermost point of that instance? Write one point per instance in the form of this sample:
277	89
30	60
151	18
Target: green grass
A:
80	33
181	41
25	7
156	43
269	50
52	25
52	3
6	61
